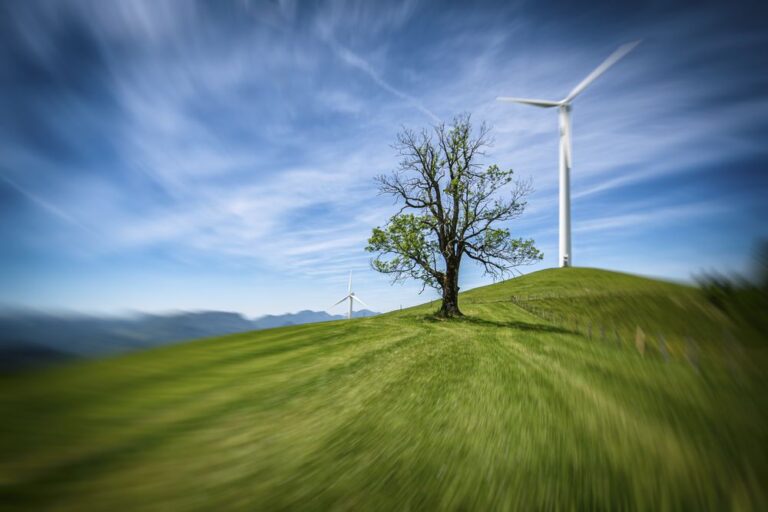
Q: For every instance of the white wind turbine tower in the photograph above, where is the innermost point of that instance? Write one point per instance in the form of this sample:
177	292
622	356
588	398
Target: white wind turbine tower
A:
564	105
351	297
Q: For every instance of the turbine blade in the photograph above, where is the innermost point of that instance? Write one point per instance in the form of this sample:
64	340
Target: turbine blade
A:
360	301
349	288
342	300
602	68
525	101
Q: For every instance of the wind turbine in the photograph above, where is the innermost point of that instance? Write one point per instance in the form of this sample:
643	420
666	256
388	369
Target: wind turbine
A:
566	162
351	297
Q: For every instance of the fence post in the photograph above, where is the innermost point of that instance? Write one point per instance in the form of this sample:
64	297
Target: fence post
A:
663	348
692	352
640	340
731	348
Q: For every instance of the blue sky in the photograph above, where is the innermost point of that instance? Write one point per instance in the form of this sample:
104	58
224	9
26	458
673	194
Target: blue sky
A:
158	155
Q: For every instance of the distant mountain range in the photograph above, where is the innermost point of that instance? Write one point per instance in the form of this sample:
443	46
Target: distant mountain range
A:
31	339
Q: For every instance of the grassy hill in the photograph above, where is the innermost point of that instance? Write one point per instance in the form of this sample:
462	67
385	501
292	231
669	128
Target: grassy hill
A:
553	393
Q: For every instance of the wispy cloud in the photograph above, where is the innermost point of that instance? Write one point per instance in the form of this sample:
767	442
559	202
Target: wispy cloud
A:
247	134
650	219
45	205
354	60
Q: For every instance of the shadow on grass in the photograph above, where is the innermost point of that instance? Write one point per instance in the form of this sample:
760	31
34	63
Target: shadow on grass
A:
523	326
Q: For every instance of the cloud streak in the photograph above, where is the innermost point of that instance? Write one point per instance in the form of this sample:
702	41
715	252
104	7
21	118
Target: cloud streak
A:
354	60
245	136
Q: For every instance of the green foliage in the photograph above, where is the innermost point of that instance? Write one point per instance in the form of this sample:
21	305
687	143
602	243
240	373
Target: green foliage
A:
501	410
742	301
407	236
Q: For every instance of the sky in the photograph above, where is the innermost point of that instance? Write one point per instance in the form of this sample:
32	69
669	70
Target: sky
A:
165	155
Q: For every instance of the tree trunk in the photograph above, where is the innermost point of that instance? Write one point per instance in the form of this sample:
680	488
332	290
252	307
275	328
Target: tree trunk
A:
450	306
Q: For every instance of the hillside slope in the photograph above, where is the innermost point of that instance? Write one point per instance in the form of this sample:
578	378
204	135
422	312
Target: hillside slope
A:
543	397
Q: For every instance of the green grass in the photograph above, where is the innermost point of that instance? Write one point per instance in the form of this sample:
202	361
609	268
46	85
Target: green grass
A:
510	408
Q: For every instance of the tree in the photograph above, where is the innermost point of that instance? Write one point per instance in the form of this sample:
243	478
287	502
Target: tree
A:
452	207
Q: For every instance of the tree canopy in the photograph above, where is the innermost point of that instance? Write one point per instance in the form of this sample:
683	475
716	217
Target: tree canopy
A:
451	206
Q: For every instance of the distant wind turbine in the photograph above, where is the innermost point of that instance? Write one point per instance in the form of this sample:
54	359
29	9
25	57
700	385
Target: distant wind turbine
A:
351	297
566	257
